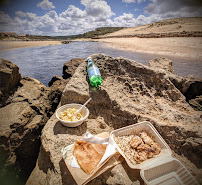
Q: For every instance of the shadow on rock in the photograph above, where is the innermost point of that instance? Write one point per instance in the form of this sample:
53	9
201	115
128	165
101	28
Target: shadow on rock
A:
61	129
133	174
65	174
44	161
101	179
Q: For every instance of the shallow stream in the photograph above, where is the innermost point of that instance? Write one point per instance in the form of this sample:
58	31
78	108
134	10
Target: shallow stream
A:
45	62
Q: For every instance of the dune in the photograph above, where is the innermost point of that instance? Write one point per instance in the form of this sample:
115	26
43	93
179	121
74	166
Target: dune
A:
177	37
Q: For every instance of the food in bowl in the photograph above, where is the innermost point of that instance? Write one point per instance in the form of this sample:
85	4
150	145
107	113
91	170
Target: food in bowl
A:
138	148
69	115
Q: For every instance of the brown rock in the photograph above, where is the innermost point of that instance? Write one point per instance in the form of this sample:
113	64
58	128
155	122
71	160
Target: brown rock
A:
194	87
70	67
131	92
189	86
162	63
22	119
58	82
9	78
55	79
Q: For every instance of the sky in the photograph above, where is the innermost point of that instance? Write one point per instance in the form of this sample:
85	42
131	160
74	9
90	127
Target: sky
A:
71	17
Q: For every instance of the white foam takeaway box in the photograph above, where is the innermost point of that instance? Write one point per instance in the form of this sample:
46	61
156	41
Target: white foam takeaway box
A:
162	169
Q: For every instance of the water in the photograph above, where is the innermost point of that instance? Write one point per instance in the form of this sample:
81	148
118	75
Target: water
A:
45	62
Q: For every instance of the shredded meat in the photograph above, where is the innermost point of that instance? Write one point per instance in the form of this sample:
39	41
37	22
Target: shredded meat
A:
146	138
136	141
138	148
140	156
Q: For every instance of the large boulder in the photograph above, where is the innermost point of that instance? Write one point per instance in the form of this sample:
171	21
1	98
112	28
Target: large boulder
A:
9	78
23	116
26	107
131	92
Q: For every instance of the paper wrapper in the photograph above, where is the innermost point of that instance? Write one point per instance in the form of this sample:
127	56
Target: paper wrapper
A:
109	159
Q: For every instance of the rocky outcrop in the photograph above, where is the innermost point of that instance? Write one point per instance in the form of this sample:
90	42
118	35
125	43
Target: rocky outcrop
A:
189	86
66	41
9	78
131	92
162	63
70	67
58	82
194	87
23	115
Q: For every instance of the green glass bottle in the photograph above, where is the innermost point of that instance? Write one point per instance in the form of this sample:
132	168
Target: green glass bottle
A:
93	73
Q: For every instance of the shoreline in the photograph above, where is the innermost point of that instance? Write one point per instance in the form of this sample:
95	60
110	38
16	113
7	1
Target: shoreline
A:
186	47
5	45
183	47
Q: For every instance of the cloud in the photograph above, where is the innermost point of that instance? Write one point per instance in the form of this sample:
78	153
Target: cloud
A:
96	13
133	1
20	14
46	5
7	23
5	18
98	9
173	8
73	20
73	12
125	20
128	1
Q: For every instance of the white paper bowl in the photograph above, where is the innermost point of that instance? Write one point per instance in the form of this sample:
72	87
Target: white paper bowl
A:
84	112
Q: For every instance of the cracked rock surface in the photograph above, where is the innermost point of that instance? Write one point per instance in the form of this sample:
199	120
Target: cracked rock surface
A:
131	93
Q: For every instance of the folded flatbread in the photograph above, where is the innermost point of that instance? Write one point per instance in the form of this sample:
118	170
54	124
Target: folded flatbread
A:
88	155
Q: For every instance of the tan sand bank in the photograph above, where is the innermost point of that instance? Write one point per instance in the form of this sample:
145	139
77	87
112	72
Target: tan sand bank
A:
187	24
190	47
22	44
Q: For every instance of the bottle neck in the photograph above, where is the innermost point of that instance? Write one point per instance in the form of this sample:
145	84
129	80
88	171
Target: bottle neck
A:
90	62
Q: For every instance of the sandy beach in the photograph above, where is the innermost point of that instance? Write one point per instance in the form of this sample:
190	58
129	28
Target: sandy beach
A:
181	46
190	47
23	44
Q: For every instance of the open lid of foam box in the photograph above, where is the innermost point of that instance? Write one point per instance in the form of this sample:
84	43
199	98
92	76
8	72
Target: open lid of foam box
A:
162	168
171	172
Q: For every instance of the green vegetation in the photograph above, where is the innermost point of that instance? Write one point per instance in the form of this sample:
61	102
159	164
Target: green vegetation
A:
101	31
91	34
196	103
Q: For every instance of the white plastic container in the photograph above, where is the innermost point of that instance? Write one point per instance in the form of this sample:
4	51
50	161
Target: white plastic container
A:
171	172
162	169
84	112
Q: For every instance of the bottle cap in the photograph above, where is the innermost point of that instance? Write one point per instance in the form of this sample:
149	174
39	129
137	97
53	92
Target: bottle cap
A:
89	58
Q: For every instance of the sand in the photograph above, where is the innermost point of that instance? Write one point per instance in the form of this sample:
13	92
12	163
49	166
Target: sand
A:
189	47
165	26
22	44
